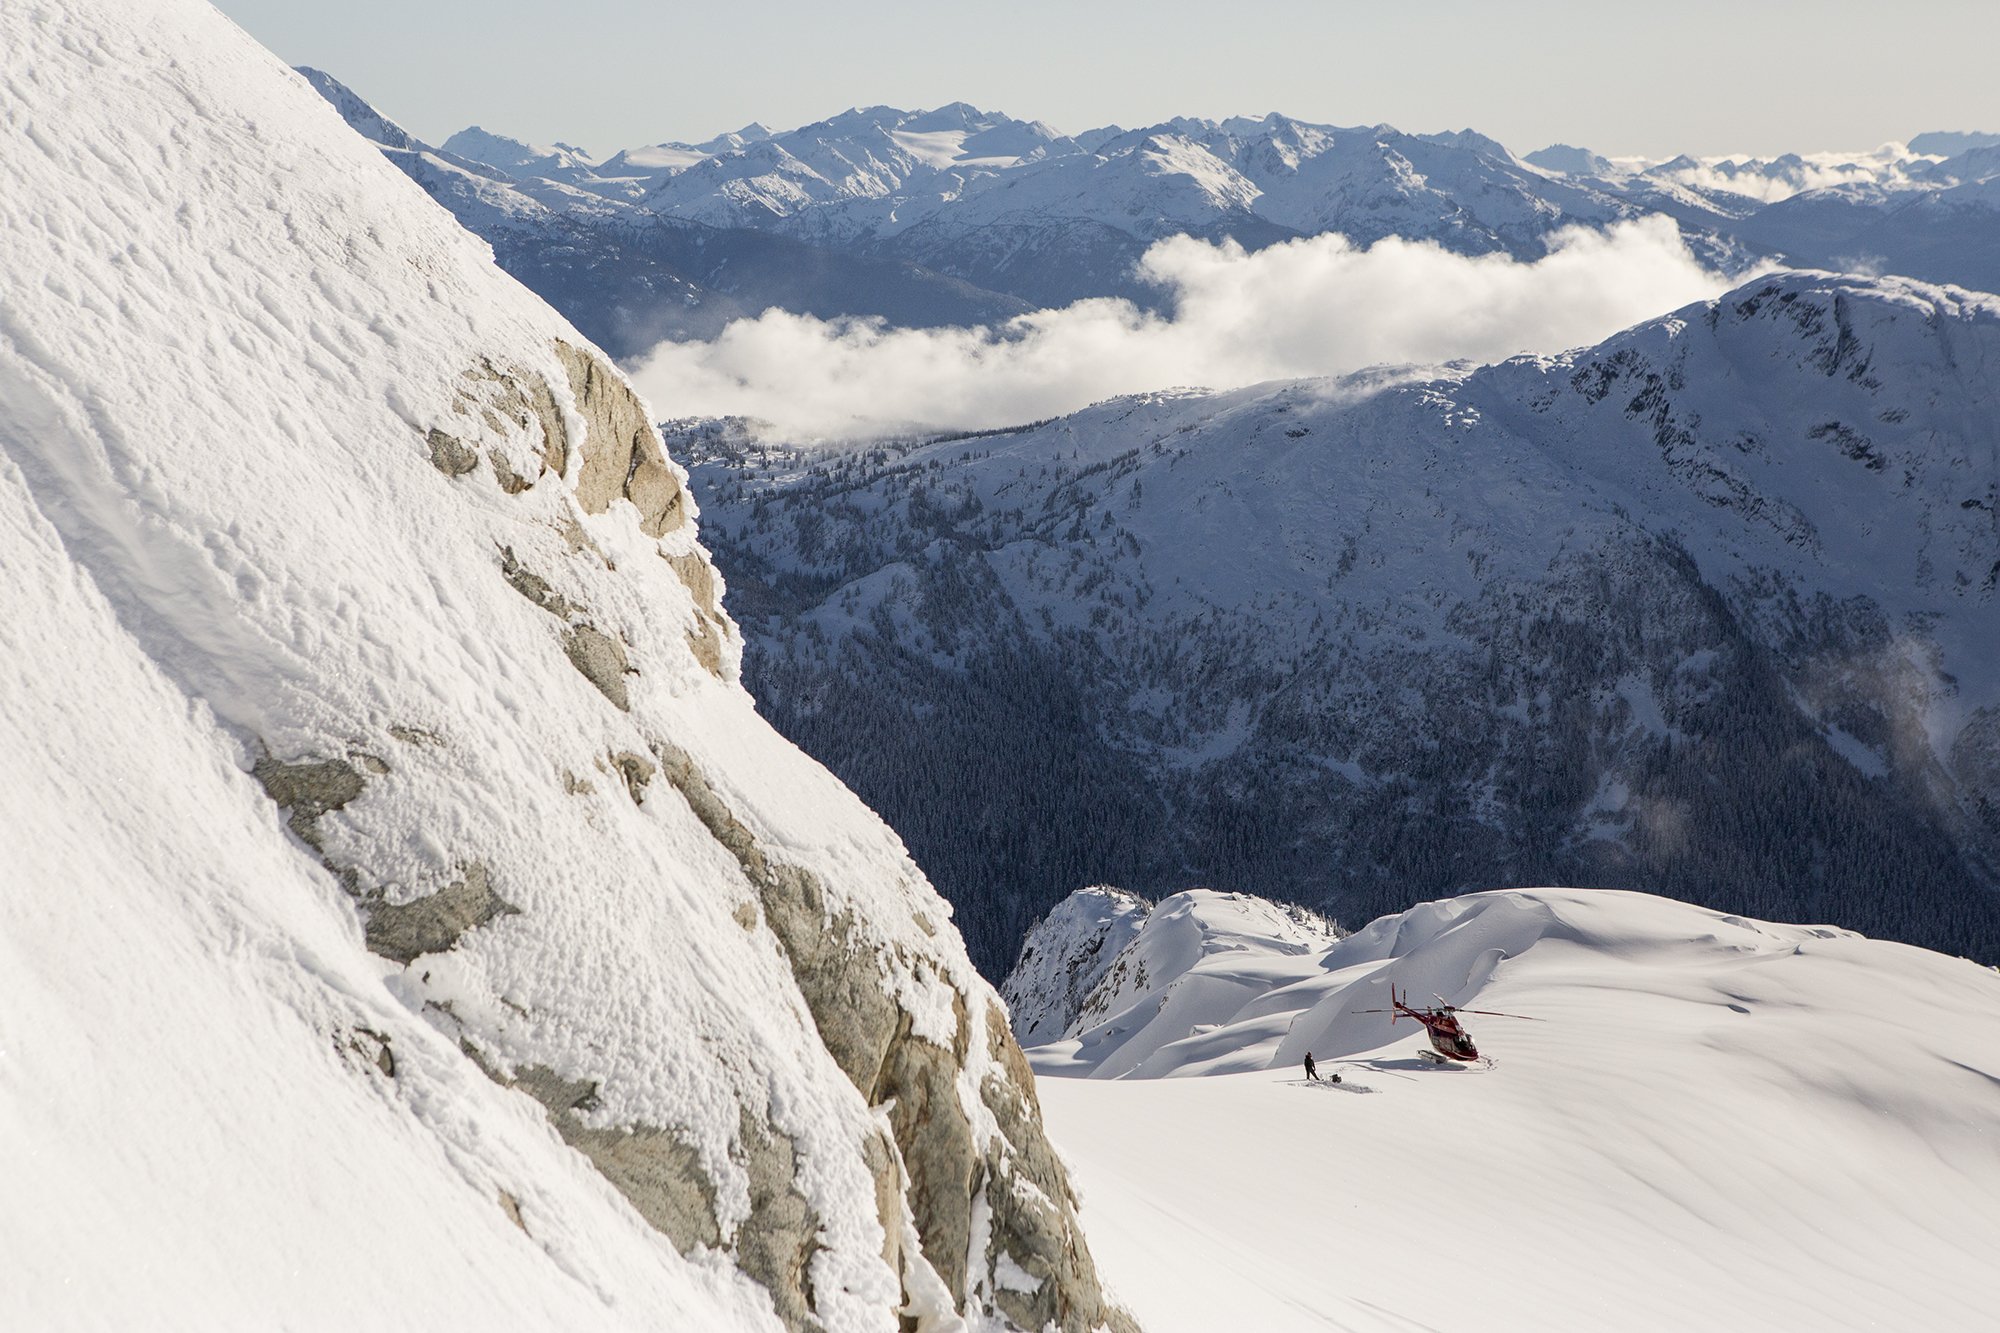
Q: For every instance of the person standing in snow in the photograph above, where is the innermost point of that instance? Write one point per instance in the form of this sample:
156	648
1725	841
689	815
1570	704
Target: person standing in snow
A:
1312	1072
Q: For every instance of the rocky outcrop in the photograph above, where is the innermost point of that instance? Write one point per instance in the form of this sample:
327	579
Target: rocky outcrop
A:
1065	956
954	1170
623	455
433	924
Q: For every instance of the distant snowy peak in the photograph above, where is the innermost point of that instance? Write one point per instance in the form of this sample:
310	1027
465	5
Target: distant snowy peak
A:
516	158
488	199
1568	161
1950	143
1065	957
870	161
871	173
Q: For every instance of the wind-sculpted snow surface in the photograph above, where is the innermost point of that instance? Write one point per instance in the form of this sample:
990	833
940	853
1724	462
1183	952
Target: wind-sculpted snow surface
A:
1718	1122
409	921
1706	609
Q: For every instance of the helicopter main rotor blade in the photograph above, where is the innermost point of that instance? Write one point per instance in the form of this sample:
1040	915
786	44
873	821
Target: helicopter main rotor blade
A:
1495	1013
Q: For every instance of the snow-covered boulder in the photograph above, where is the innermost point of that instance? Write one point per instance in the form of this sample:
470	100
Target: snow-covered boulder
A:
407	917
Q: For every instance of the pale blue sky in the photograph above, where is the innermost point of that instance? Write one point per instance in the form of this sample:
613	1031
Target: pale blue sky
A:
1619	76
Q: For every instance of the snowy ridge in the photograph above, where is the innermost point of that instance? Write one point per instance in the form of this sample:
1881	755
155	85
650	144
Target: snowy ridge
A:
1198	953
400	880
1719	1123
1066	956
1015	211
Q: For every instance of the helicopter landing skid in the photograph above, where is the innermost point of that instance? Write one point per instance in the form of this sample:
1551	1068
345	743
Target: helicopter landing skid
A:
1437	1061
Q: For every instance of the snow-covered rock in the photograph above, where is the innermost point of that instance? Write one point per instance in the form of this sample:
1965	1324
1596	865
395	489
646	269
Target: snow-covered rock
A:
1717	1122
1197	955
1065	957
408	917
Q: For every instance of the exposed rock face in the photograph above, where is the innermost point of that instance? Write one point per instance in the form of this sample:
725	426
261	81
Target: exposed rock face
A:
408	931
309	789
659	1174
623	455
601	660
951	1169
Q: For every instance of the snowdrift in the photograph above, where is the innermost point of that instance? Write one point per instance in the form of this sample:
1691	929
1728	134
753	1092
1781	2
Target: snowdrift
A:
1718	1123
408	920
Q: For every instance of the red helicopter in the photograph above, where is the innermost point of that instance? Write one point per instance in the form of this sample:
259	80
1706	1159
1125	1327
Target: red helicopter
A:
1449	1040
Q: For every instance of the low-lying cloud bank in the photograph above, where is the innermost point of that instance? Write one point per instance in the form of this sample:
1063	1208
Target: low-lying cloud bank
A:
1318	306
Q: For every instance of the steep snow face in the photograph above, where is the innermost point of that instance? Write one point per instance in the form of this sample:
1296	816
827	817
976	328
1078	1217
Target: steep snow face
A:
1065	957
1416	633
382	796
1718	1123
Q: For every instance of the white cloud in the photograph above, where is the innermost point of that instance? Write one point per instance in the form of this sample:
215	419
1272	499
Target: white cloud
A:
1317	306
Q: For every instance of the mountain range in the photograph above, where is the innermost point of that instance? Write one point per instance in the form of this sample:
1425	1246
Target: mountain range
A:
959	216
1705	610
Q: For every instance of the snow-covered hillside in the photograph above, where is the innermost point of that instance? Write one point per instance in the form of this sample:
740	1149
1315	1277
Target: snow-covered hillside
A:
1717	1123
1707	609
1196	954
407	918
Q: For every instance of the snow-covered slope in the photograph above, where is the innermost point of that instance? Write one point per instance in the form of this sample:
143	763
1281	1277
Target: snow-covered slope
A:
1718	1123
408	920
1706	609
1066	956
